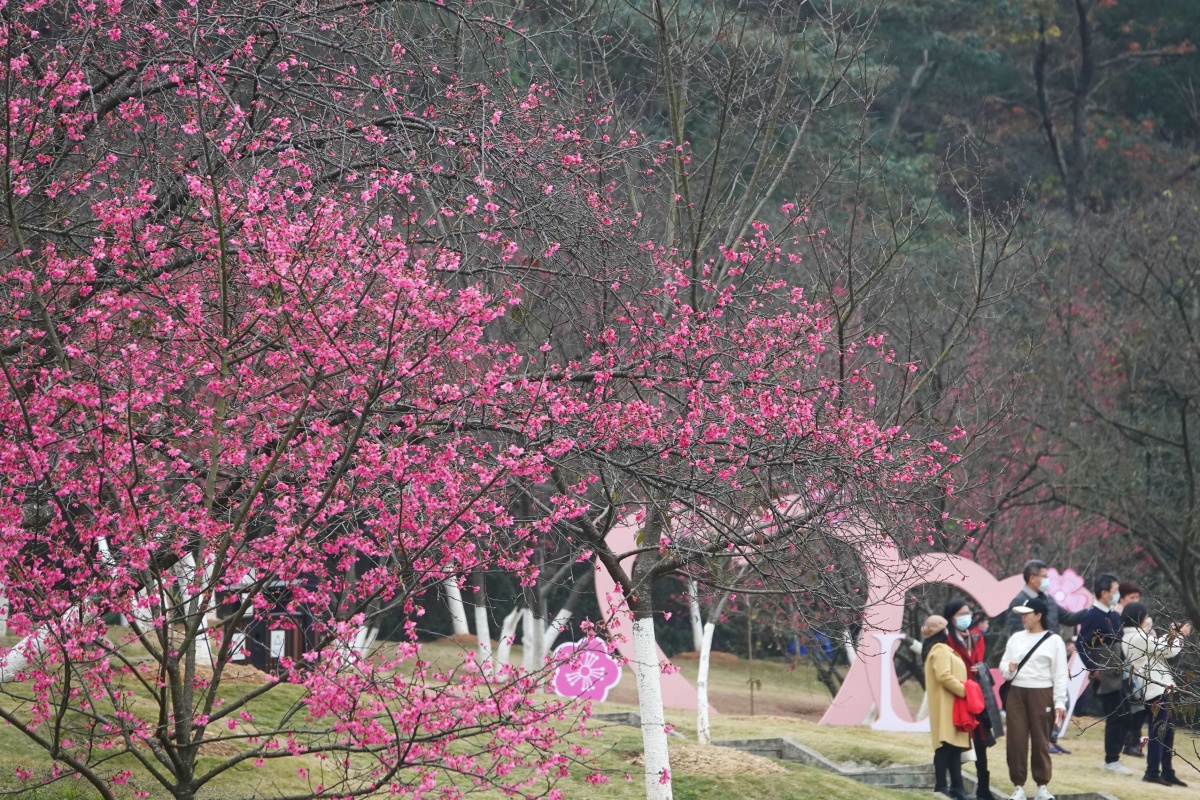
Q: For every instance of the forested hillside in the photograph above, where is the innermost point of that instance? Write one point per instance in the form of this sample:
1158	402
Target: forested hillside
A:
1005	190
1088	105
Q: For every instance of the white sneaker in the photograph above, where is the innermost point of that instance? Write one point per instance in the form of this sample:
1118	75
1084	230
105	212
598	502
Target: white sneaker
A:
1043	793
1018	794
1118	768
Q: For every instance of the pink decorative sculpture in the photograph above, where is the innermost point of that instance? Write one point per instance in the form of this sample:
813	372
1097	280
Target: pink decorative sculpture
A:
1077	678
871	682
587	670
1068	590
871	687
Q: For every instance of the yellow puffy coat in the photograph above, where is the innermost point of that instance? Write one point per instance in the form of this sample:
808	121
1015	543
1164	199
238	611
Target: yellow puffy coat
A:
945	675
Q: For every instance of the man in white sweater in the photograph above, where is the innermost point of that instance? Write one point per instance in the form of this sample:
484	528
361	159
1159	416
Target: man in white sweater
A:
1035	665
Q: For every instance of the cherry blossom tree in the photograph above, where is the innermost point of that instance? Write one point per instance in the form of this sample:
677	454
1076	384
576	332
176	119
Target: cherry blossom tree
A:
247	330
723	434
285	406
1120	478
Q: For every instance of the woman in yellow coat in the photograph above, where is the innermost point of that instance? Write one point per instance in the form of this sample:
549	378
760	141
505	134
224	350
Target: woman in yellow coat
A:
945	679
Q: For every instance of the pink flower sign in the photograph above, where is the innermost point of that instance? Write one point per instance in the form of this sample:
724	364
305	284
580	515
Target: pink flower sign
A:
587	670
1068	590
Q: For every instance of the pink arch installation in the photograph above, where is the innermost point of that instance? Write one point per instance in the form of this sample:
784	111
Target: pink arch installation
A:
871	682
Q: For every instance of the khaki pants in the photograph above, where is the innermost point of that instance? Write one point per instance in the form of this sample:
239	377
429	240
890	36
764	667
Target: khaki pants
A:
1030	719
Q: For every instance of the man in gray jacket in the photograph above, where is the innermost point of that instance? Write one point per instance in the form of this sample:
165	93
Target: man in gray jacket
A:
1036	583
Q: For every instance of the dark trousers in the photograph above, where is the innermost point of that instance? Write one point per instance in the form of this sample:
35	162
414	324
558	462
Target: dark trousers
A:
1162	739
983	777
1114	726
947	768
1084	703
1133	727
1030	720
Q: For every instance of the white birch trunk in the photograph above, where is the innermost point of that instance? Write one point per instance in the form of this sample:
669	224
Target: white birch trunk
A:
555	629
528	653
650	707
33	646
364	639
483	638
694	615
508	634
458	612
539	642
24	654
703	726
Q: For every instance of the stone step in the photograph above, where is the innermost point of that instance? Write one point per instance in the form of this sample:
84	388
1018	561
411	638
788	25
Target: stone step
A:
630	718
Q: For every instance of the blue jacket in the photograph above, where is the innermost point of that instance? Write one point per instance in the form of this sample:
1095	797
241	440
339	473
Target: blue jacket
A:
1099	646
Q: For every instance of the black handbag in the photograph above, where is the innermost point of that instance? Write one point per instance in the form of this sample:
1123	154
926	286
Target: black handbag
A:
1008	683
1133	692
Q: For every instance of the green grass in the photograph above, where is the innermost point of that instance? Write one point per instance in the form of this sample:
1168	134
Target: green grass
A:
799	782
803	784
789	704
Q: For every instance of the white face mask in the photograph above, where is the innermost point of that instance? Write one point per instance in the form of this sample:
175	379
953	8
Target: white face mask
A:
963	622
1116	598
1044	585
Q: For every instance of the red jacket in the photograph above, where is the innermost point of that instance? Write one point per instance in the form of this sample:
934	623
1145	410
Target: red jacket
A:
967	709
970	648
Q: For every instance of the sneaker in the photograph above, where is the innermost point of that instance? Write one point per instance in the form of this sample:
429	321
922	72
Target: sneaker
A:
1043	793
1171	780
1118	768
1133	750
1156	779
1018	794
1059	750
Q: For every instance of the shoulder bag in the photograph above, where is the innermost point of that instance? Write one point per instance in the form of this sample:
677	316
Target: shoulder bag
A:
1008	683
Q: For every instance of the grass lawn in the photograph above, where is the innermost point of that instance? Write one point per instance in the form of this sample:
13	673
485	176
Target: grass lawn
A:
789	703
797	783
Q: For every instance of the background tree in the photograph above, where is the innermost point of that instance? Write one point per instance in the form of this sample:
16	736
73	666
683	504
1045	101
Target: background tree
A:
1124	442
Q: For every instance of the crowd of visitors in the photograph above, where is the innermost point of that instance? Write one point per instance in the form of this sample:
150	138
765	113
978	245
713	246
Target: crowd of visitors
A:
1128	675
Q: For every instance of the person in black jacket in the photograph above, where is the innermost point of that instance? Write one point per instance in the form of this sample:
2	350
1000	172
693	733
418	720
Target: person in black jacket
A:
1099	646
1036	583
